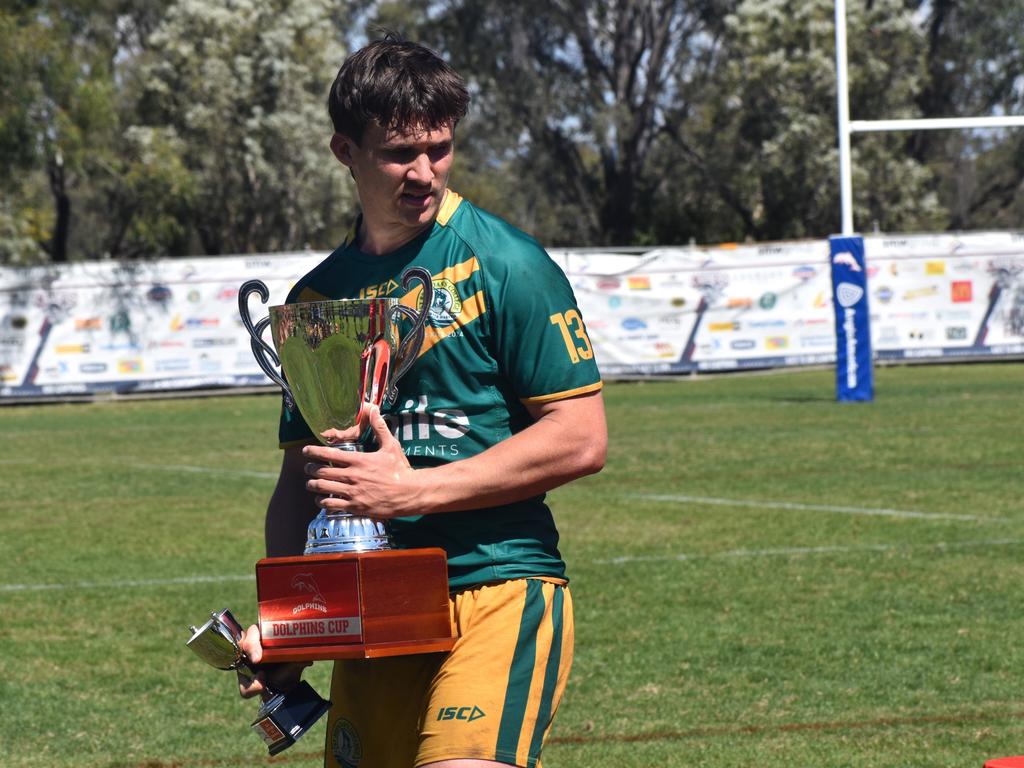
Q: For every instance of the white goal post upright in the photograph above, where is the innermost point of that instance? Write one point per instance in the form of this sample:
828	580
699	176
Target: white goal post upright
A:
848	127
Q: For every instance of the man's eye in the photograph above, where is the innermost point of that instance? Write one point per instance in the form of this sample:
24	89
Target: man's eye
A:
400	155
439	152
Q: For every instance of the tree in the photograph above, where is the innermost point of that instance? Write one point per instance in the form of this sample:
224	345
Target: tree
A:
77	181
237	92
56	111
765	134
571	96
975	57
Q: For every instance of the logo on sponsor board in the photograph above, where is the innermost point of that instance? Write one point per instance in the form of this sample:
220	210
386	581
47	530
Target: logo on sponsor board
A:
638	283
159	294
720	327
935	267
213	342
961	291
120	322
956	333
710	285
633	324
173	364
920	293
72	349
767	300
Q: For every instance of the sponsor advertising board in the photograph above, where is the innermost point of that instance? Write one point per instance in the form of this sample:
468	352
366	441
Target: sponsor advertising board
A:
173	324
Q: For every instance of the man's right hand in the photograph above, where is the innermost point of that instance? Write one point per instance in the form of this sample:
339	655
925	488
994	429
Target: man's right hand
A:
270	678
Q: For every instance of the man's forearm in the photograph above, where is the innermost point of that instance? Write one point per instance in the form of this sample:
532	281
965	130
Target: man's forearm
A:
567	440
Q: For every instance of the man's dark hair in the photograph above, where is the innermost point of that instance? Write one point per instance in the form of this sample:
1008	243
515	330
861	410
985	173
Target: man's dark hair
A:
400	85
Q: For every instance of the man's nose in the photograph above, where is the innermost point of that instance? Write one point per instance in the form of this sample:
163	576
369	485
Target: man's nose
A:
421	170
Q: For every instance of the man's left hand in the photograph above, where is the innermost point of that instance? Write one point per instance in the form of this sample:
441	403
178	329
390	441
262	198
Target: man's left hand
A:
377	484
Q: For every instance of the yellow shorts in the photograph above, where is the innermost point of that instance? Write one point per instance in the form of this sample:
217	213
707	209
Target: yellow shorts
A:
493	697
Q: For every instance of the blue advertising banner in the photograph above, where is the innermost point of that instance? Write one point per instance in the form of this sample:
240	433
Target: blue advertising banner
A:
854	376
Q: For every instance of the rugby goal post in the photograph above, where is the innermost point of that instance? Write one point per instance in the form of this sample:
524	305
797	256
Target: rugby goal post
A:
854	362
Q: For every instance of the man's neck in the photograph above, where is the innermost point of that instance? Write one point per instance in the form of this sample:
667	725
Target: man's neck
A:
382	241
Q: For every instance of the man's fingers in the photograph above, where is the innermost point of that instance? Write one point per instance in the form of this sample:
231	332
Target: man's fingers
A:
327	455
250	644
249	686
380	427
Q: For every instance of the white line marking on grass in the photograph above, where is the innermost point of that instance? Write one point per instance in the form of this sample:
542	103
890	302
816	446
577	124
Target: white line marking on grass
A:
208	470
624	559
797	551
816	508
125	583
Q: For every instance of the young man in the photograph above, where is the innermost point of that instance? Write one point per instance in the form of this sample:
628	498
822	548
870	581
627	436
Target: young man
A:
502	405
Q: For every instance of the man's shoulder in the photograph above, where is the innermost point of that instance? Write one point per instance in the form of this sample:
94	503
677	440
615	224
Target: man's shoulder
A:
311	287
488	235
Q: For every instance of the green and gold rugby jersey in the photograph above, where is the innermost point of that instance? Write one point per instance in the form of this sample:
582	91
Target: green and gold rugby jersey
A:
503	331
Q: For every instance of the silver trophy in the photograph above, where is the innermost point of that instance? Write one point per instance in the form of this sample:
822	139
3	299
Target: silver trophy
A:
283	717
337	358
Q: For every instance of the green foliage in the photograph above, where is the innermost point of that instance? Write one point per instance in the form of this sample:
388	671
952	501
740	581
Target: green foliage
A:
975	56
242	88
133	128
791	623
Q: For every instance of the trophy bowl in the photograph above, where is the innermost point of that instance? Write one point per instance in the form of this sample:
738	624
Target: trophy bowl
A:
337	357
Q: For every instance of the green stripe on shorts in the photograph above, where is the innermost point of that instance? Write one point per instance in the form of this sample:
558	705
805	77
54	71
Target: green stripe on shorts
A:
520	674
547	696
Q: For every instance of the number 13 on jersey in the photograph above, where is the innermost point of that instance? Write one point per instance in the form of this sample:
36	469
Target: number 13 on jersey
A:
571	325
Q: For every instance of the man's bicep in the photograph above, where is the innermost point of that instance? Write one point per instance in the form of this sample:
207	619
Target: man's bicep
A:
579	423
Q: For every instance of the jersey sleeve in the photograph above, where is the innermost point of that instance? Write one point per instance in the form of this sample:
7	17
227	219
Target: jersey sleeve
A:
541	341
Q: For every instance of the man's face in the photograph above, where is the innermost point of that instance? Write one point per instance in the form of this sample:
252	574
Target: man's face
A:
401	176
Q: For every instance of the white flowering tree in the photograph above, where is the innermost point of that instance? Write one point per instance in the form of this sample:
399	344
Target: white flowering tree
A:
240	89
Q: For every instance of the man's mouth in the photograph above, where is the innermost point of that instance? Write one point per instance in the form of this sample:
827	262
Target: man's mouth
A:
417	196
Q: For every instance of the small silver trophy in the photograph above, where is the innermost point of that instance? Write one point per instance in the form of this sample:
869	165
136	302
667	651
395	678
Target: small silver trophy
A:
282	718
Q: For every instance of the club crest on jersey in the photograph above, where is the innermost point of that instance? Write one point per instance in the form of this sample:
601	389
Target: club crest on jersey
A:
447	303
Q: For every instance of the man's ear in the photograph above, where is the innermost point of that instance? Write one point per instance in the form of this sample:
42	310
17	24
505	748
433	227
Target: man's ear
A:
341	146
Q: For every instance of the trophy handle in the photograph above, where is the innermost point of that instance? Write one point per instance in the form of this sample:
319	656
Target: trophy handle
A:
374	365
266	357
409	349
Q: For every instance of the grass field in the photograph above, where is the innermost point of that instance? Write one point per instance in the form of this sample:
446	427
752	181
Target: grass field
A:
762	576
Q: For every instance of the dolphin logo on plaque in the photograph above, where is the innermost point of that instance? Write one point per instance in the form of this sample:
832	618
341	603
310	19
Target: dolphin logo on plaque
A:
351	594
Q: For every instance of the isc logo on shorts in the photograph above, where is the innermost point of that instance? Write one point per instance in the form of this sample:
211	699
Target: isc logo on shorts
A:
460	713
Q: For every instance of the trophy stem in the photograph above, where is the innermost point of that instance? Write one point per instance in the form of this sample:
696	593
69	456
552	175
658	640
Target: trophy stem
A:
331	532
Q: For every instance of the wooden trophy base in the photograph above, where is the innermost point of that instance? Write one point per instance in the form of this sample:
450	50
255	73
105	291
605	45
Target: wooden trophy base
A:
354	605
